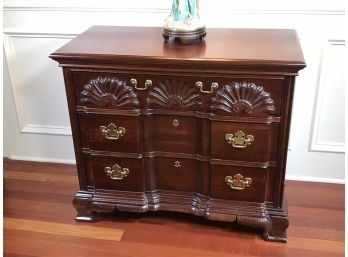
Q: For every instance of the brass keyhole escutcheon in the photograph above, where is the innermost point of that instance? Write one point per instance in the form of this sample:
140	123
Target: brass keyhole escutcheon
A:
177	164
239	139
238	182
175	122
112	132
116	172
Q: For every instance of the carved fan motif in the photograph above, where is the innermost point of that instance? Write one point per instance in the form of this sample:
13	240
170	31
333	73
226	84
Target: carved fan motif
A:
242	97
173	93
107	91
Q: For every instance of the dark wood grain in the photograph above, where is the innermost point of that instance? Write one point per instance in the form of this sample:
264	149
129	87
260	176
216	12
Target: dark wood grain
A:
161	135
264	142
45	192
170	170
255	192
279	47
100	180
93	137
175	105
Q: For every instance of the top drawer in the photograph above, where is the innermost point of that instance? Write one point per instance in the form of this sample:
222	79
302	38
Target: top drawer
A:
105	90
238	96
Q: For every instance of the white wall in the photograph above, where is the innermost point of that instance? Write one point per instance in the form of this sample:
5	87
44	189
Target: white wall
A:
36	124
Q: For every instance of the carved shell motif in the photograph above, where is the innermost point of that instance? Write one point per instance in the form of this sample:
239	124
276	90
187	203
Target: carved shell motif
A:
242	97
173	93
107	91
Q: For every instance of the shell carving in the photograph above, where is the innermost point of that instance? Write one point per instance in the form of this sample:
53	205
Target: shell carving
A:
109	91
172	93
242	97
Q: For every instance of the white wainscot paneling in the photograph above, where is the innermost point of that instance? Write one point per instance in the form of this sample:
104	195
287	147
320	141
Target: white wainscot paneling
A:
35	28
328	126
37	83
31	146
249	6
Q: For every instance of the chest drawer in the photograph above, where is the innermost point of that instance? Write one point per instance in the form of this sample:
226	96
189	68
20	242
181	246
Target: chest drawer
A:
110	132
234	95
244	141
176	134
112	173
238	183
178	174
105	91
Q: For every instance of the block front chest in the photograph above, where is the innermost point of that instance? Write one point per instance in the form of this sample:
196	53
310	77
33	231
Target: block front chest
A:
178	130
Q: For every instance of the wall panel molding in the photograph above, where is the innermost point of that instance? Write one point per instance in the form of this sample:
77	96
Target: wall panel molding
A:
46	130
314	179
316	143
40	159
10	33
153	6
16	82
166	11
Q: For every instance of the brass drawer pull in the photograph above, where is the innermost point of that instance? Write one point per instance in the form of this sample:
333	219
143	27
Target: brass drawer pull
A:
239	139
112	132
175	122
213	87
177	164
116	172
134	83
238	182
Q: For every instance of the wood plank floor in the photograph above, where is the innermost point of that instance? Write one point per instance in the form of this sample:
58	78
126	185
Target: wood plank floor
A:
39	221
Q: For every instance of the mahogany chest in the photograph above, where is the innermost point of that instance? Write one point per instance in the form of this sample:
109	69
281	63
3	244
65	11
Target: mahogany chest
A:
200	129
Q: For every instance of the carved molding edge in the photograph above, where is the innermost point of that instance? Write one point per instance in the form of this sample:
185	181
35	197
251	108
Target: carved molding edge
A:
174	94
109	91
273	221
242	97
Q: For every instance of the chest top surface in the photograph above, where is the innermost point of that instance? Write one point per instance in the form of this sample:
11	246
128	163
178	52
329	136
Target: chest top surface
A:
279	47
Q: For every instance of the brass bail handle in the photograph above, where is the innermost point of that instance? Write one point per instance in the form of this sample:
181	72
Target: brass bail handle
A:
238	182
112	132
116	172
239	139
134	83
213	87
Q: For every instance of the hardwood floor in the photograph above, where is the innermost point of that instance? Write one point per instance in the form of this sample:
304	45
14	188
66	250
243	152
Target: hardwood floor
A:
39	221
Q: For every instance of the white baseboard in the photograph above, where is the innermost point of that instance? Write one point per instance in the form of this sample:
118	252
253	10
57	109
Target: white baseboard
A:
39	159
315	179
